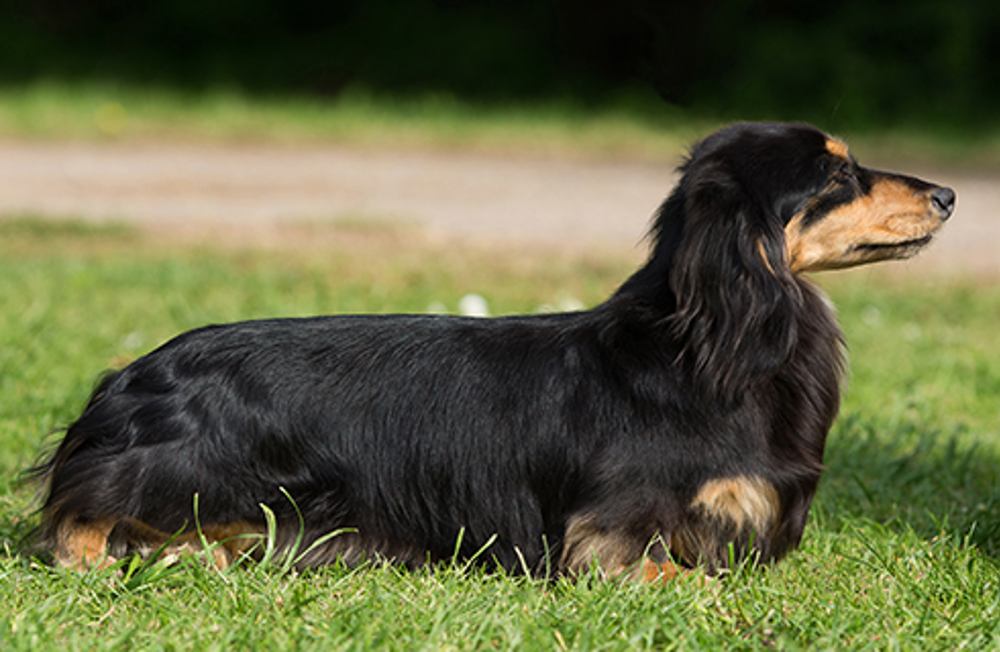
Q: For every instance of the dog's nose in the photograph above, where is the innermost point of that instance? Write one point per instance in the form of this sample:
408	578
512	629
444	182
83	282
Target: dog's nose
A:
944	201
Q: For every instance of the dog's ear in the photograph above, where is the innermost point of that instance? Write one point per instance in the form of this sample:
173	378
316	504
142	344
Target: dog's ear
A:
736	299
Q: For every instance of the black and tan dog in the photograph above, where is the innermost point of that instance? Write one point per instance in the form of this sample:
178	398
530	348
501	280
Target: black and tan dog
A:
683	418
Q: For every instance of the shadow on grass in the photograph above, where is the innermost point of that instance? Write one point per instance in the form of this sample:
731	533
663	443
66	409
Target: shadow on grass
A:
903	475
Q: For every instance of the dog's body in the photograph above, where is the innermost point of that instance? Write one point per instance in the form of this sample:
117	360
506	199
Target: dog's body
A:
682	421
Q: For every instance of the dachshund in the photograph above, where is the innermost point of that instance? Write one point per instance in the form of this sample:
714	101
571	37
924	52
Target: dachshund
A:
679	424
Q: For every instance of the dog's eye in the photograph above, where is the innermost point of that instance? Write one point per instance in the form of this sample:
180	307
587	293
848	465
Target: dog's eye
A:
845	174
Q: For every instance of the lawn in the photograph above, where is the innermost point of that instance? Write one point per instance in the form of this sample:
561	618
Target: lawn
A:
111	112
633	126
900	552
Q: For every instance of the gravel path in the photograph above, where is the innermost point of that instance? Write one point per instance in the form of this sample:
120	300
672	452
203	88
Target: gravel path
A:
466	195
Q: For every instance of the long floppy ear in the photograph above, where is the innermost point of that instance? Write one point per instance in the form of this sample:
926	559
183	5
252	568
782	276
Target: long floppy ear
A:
736	299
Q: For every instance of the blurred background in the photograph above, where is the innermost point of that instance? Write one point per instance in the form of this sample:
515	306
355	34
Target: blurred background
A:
482	113
849	65
174	163
551	120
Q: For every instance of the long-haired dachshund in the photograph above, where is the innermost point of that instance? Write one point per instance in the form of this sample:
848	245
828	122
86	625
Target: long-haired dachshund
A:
680	423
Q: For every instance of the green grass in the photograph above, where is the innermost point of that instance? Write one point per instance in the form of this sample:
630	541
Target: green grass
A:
640	127
900	551
635	126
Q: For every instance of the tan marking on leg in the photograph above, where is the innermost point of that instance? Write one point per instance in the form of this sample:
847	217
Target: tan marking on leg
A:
83	545
588	543
743	501
227	542
620	556
235	540
650	571
739	512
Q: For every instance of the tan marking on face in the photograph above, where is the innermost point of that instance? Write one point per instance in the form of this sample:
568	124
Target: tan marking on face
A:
743	501
838	148
83	545
892	221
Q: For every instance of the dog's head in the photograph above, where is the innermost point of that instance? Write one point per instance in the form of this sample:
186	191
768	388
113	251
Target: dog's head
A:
806	200
758	203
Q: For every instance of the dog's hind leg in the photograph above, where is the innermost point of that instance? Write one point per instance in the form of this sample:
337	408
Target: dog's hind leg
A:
84	544
80	544
226	543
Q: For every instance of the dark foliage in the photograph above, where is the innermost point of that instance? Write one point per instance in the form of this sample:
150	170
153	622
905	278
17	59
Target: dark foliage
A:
839	63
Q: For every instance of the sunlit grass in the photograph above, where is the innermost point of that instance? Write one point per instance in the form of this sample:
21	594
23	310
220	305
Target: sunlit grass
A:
114	112
635	125
900	552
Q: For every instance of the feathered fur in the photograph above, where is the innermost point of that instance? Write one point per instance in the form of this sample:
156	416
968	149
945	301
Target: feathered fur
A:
685	415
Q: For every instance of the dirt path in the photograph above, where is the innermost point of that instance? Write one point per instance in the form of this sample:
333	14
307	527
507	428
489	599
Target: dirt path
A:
465	195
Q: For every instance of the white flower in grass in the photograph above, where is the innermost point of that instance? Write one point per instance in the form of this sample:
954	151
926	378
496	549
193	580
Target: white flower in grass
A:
473	305
132	341
570	304
437	308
